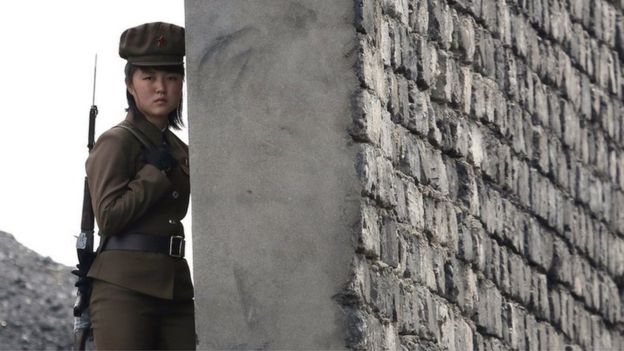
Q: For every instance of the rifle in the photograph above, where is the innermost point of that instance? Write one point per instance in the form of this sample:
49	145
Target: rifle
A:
84	246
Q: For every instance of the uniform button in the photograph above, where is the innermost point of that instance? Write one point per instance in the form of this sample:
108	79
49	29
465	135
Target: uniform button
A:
175	194
172	221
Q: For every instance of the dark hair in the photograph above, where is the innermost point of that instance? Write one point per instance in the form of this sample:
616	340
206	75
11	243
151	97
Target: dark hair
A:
175	117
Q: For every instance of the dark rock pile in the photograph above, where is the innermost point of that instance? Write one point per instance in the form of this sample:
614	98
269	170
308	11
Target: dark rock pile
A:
36	299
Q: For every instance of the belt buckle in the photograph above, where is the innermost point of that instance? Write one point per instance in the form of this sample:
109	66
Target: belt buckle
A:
176	246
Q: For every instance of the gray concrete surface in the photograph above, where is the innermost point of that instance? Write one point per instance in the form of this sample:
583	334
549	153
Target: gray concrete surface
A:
275	191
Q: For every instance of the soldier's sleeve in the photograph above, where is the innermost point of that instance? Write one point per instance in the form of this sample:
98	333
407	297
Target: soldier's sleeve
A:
119	196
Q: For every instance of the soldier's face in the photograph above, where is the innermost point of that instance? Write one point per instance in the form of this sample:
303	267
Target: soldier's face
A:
155	92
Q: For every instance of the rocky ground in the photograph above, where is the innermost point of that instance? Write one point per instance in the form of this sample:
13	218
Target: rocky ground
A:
36	299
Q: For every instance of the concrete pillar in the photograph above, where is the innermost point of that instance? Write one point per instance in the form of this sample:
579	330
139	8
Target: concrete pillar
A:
274	187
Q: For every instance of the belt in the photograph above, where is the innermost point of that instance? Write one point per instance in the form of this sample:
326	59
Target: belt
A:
169	245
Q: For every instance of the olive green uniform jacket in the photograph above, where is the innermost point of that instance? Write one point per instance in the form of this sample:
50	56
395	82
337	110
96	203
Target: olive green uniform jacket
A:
131	196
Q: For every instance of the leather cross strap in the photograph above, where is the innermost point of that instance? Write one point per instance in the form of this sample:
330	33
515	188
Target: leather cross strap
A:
137	134
169	245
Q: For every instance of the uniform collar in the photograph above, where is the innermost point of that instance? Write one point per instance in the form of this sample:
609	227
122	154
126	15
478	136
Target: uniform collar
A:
153	133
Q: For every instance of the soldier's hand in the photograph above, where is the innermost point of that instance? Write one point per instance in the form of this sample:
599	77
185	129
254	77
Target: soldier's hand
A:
160	158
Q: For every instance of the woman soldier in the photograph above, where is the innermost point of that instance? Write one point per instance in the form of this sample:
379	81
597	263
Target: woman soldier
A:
142	294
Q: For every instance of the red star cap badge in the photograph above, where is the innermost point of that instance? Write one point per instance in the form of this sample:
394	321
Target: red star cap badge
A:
161	41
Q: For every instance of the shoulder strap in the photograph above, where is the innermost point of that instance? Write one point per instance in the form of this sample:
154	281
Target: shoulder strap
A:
137	134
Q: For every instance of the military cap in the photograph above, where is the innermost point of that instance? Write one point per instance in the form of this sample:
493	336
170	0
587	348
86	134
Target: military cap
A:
153	44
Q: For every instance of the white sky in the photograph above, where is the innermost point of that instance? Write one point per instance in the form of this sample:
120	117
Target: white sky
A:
47	55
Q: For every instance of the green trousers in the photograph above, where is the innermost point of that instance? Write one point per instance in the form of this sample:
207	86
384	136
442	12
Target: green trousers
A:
123	319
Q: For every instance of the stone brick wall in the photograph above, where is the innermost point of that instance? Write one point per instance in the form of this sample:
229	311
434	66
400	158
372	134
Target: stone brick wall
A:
492	213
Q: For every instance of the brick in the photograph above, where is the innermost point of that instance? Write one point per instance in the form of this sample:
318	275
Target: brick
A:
582	324
576	9
566	309
571	221
410	309
389	248
462	94
369	231
415	207
484	55
528	133
492	263
516	129
467	293
447	327
479	246
556	161
420	263
372	336
600	340
541	104
367	15
571	80
427	63
409	158
433	169
376	174
420	111
385	42
555	339
446	80
492	160
512	233
619	34
531	332
524	183
453	130
540	148
610	305
397	9
519	39
491	96
440	23
477	105
513	318
559	17
525	83
372	74
561	264
539	296
470	238
430	326
360	284
464	37
367	117
384	291
399	105
595	24
489	203
489	310
503	22
472	6
504	277
401	210
436	221
592	58
538	188
463	335
401	46
419	16
467	191
582	183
